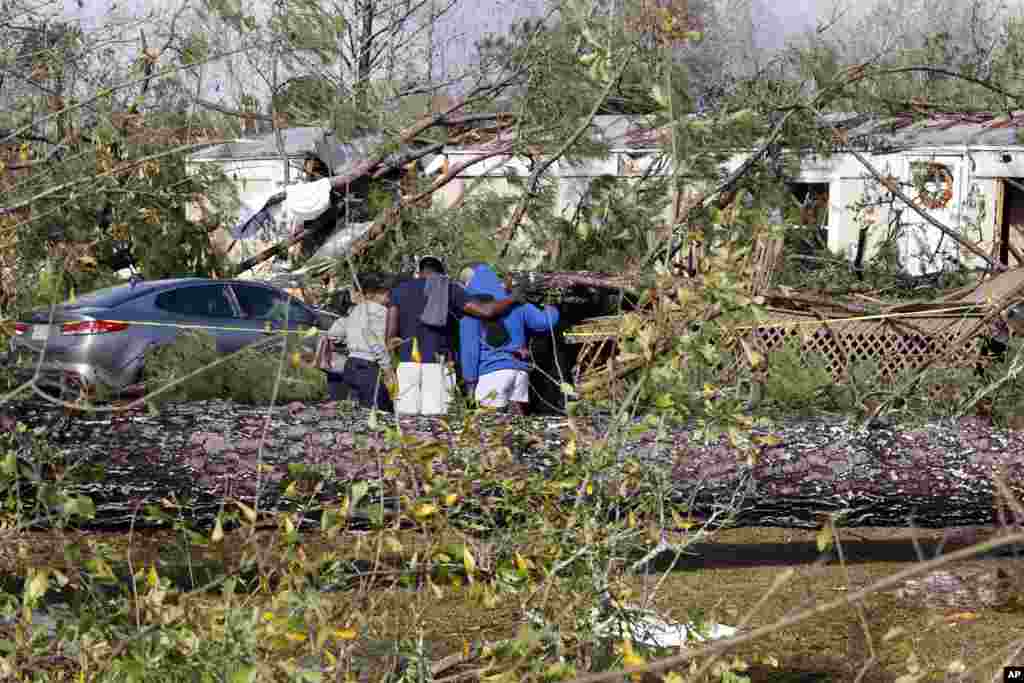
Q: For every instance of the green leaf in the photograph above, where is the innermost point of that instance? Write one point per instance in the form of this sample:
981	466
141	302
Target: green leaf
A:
359	491
245	674
82	506
36	586
10	464
659	96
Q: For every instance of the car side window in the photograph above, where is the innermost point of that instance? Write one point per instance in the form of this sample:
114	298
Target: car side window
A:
260	303
204	301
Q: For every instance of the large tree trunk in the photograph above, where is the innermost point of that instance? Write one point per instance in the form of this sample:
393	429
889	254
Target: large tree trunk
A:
932	476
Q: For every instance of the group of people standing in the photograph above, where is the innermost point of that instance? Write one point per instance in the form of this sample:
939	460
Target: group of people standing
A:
438	329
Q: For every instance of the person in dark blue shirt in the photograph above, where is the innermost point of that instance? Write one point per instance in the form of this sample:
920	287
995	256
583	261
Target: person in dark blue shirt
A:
423	315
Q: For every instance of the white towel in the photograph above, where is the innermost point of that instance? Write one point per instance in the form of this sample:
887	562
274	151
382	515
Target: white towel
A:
307	201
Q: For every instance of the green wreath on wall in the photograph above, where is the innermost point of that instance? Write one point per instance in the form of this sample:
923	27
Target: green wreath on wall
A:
935	186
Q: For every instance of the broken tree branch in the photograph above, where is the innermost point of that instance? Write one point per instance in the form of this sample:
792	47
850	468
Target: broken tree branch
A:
379	226
942	71
117	170
407	158
725	185
994	311
508	233
406	136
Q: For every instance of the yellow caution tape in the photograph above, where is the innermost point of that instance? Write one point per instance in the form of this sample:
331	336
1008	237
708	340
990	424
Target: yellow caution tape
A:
222	328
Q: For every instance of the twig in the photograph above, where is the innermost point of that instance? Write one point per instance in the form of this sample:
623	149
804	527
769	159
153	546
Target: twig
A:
1015	369
104	92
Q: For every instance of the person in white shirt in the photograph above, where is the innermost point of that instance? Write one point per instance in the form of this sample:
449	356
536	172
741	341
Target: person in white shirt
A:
362	334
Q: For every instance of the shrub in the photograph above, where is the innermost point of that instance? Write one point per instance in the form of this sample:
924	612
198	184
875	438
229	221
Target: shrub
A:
247	376
795	383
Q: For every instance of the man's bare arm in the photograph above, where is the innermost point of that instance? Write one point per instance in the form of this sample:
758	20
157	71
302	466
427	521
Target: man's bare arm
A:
391	328
488	310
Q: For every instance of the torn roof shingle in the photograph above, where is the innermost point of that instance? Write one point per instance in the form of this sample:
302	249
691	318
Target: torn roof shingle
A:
938	130
297	141
864	131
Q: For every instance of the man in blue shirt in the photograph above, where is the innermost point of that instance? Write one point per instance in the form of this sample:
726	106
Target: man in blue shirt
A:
494	355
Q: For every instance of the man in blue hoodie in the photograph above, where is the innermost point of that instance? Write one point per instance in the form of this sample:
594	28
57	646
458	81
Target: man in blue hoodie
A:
494	355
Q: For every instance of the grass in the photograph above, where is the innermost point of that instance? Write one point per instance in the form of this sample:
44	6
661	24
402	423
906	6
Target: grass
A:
723	580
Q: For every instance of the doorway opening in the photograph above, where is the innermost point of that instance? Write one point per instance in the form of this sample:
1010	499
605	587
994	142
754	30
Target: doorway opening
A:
1012	228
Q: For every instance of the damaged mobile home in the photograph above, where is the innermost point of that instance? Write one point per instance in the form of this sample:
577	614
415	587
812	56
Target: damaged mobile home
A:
967	171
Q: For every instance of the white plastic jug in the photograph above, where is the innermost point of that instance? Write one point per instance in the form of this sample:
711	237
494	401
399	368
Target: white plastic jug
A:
423	389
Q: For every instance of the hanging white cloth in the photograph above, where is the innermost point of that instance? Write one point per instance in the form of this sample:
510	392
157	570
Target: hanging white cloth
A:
307	201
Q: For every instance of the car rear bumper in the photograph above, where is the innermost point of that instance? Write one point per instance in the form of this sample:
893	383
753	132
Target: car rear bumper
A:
25	365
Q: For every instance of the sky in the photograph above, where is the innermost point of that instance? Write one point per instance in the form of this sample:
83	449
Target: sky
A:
472	19
776	21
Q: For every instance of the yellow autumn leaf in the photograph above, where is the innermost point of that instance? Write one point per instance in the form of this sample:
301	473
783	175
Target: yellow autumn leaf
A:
769	440
522	564
295	636
755	358
416	357
424	510
631	659
468	561
451	498
36	587
218	531
824	539
248	512
296	359
347	633
152	578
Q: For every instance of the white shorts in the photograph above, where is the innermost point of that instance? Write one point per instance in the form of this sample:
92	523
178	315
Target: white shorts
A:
496	389
424	389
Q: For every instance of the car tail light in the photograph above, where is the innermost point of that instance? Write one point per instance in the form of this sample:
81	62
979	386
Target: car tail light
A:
21	328
93	327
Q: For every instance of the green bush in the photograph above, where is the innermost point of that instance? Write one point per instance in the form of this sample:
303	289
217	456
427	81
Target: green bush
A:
795	383
247	376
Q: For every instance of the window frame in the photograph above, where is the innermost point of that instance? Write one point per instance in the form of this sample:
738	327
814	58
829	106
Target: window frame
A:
174	291
293	303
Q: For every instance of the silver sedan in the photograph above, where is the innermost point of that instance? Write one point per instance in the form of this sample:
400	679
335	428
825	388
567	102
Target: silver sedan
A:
102	337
